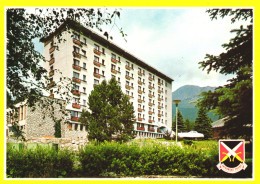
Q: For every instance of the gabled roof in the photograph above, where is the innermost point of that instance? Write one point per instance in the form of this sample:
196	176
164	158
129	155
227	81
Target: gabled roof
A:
101	40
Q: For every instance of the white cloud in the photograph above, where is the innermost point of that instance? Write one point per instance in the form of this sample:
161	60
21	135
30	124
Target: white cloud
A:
175	40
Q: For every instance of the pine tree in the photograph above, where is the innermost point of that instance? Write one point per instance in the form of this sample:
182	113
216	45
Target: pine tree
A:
181	125
203	123
110	113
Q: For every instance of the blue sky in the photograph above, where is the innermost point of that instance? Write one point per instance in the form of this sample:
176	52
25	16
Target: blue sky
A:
174	40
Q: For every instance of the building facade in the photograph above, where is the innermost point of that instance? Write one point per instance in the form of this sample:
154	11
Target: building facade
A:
88	58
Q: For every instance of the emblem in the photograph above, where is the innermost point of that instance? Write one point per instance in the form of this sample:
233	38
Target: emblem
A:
231	156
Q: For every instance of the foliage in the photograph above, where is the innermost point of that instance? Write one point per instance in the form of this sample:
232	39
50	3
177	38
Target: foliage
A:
189	125
181	124
110	113
234	100
187	142
203	123
57	127
39	162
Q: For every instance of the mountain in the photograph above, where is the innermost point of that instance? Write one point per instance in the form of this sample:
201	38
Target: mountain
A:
188	94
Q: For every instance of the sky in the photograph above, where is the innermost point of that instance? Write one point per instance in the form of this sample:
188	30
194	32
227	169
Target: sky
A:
174	41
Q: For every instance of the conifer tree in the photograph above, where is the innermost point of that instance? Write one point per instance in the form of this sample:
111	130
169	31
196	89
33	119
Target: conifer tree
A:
181	125
203	123
110	113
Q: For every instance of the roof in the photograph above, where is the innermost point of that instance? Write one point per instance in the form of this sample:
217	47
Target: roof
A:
101	40
219	123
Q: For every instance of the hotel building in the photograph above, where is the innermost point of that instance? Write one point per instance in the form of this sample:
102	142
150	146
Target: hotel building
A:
88	58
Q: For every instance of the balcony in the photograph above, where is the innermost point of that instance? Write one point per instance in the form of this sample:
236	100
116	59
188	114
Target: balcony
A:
159	99
150	112
140	110
77	80
159	115
159	107
77	106
150	78
140	101
150	104
158	130
76	67
51	61
97	52
151	129
96	63
150	87
77	42
150	121
114	60
140	92
51	49
128	77
113	71
127	67
150	95
74	118
77	55
96	75
159	91
140	119
140	128
159	83
51	73
140	74
127	87
76	92
140	82
51	95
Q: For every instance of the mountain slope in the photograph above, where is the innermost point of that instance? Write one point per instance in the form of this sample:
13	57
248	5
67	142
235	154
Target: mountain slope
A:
188	94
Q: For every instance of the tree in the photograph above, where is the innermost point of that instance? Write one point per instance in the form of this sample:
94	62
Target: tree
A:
234	100
26	78
110	113
181	124
189	125
203	123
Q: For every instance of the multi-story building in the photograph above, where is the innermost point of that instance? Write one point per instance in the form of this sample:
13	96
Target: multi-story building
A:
88	58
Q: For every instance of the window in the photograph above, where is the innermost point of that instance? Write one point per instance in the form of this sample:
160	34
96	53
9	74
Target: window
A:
139	106
51	56
127	63
84	102
132	66
74	114
132	75
118	79
127	92
84	90
127	73
84	77
75	100
75	87
96	70
76	75
118	68
139	79
103	73
84	65
103	62
76	49
113	76
113	67
96	58
139	115
113	56
76	36
51	68
132	94
103	50
139	70
118	58
84	40
127	83
83	52
96	81
139	88
76	62
76	126
96	47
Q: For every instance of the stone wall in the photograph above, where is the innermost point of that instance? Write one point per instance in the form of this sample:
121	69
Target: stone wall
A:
39	121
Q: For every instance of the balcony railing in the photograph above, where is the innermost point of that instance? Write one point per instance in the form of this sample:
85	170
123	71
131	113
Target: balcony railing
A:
159	83
51	61
140	82
158	130
140	110
51	73
150	78
74	118
97	52
127	87
96	63
150	95
76	67
96	75
150	104
77	42
75	54
159	115
127	67
51	95
140	101
77	106
140	92
151	129
140	119
77	80
139	73
159	91
128	77
114	60
76	92
113	71
159	99
51	49
140	128
159	107
150	121
150	87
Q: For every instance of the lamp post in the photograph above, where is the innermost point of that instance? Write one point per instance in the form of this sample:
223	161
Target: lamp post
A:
176	131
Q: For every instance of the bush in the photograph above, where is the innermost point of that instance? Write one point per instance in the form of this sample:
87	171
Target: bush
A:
187	142
39	162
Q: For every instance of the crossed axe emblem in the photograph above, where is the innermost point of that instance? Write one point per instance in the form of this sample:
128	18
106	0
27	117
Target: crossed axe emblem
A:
231	152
